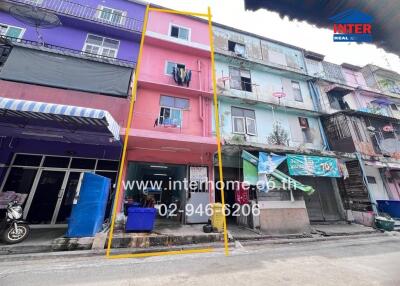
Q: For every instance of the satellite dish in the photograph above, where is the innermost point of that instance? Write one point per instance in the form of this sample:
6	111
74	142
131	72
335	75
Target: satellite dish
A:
279	95
35	17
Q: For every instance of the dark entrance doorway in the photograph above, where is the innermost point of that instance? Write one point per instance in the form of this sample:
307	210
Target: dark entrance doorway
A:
322	204
46	195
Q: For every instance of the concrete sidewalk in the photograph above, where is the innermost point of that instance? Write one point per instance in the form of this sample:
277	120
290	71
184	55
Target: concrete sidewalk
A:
340	229
39	240
169	236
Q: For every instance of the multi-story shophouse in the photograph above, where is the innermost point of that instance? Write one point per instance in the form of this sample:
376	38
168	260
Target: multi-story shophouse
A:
171	137
362	120
65	77
266	105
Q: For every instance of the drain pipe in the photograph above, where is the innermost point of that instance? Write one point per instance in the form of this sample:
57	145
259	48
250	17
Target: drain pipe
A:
314	96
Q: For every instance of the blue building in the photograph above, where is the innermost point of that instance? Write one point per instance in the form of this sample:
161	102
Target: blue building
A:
267	103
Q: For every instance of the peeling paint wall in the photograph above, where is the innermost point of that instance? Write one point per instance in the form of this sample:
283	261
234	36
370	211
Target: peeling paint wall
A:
354	78
326	107
377	188
264	84
259	49
264	122
349	134
333	72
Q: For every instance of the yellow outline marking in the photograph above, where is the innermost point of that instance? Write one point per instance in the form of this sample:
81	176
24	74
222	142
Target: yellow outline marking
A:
128	126
127	129
161	253
217	129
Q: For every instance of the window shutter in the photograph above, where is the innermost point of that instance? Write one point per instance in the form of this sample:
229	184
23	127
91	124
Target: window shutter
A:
235	80
98	11
124	18
295	130
238	125
287	88
245	73
251	126
276	57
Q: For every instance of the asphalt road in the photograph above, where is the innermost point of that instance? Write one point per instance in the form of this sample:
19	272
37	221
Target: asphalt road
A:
363	261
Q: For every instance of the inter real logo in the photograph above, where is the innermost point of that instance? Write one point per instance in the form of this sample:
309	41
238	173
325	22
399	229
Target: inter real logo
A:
352	26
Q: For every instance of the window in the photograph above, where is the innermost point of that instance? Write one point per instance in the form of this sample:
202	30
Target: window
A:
238	49
305	130
169	67
303	122
101	46
244	121
27	160
240	79
107	165
351	76
11	31
179	32
297	91
56	162
394	107
336	101
390	85
81	163
111	15
171	110
371	179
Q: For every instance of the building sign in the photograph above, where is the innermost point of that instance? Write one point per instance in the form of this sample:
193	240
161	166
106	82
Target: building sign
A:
198	174
267	163
352	26
301	165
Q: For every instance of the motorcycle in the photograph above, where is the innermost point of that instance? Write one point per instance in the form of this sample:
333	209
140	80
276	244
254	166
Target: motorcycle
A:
13	229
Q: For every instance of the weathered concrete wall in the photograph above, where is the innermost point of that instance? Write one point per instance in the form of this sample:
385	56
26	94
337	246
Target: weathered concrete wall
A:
264	119
261	50
284	221
264	84
378	190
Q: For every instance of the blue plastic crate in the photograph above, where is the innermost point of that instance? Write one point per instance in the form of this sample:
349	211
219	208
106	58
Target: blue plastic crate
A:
140	219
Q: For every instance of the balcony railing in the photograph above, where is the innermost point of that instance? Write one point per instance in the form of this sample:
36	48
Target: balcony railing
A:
68	51
76	10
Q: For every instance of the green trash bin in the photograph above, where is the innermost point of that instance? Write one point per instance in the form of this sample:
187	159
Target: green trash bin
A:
384	223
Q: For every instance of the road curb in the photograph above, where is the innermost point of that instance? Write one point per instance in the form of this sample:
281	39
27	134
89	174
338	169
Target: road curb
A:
216	245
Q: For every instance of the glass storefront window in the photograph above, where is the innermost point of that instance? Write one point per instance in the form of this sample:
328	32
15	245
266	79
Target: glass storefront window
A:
20	180
56	162
27	160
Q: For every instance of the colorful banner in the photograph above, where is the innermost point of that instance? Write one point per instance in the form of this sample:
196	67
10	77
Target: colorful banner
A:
249	172
301	165
267	163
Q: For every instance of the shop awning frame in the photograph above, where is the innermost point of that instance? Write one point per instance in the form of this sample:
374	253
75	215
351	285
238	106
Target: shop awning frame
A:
61	113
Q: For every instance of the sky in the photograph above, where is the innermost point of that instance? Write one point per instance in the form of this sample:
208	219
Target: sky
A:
300	34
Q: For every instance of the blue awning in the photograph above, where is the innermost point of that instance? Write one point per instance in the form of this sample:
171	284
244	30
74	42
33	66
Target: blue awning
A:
59	113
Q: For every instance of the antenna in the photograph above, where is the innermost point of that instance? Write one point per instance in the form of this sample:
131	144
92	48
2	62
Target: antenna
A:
35	17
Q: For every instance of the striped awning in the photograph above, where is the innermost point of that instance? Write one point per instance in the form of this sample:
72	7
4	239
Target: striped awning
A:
58	112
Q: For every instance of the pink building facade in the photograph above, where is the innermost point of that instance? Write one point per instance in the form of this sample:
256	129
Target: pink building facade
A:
171	134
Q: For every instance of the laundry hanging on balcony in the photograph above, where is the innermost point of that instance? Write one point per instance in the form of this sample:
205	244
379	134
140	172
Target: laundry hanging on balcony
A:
182	76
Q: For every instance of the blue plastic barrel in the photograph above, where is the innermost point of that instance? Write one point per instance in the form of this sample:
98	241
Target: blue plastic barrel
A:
140	219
